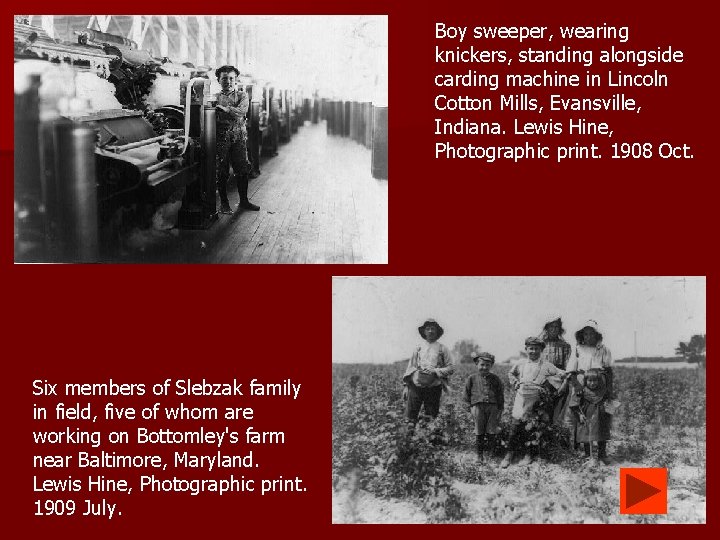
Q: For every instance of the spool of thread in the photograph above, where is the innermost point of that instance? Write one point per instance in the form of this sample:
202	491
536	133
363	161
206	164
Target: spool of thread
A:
77	192
209	151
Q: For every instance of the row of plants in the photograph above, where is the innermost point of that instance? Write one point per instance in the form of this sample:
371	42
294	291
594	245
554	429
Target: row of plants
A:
373	443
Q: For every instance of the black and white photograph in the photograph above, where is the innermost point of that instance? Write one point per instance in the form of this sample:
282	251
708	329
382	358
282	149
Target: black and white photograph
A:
201	139
518	399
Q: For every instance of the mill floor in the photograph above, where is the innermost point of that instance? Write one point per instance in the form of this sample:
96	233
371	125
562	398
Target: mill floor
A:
318	204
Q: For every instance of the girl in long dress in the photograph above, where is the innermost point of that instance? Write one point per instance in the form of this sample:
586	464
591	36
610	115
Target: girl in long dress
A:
593	423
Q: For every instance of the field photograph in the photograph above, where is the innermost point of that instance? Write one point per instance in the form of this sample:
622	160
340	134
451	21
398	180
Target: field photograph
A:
516	399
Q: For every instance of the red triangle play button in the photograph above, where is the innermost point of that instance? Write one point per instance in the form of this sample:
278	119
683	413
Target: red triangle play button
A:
643	490
637	491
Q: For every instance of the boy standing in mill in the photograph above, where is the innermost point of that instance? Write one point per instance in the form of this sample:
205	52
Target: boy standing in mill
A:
232	106
484	396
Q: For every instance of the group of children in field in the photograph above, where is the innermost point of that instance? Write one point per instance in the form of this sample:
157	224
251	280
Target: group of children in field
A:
549	382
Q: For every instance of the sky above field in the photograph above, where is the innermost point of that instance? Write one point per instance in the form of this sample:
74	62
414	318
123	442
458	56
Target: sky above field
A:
375	319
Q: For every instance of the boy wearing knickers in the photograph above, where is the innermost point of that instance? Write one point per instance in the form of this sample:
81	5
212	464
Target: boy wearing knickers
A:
484	396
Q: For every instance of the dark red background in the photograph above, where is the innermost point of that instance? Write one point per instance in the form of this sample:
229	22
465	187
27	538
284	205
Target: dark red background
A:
148	323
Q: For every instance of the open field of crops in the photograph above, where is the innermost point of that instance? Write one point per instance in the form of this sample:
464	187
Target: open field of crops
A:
381	473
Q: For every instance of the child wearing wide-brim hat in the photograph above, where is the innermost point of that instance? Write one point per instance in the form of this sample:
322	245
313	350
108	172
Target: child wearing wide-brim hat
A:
591	352
484	396
427	372
431	322
590	336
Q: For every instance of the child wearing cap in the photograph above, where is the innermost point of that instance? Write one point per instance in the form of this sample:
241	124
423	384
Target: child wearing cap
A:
527	378
486	401
231	136
427	373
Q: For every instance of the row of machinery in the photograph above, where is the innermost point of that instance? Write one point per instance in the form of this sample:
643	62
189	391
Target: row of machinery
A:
363	122
102	127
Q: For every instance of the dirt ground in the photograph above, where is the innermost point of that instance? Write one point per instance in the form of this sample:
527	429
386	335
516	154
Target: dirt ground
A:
662	424
541	492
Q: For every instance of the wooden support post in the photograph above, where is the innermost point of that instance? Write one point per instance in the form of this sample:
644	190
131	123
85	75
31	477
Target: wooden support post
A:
48	24
164	43
148	23
104	22
241	51
202	31
184	52
243	38
136	30
213	40
224	40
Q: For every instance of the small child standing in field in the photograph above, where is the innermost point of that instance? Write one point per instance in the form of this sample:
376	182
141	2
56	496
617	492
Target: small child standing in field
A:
593	422
484	396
